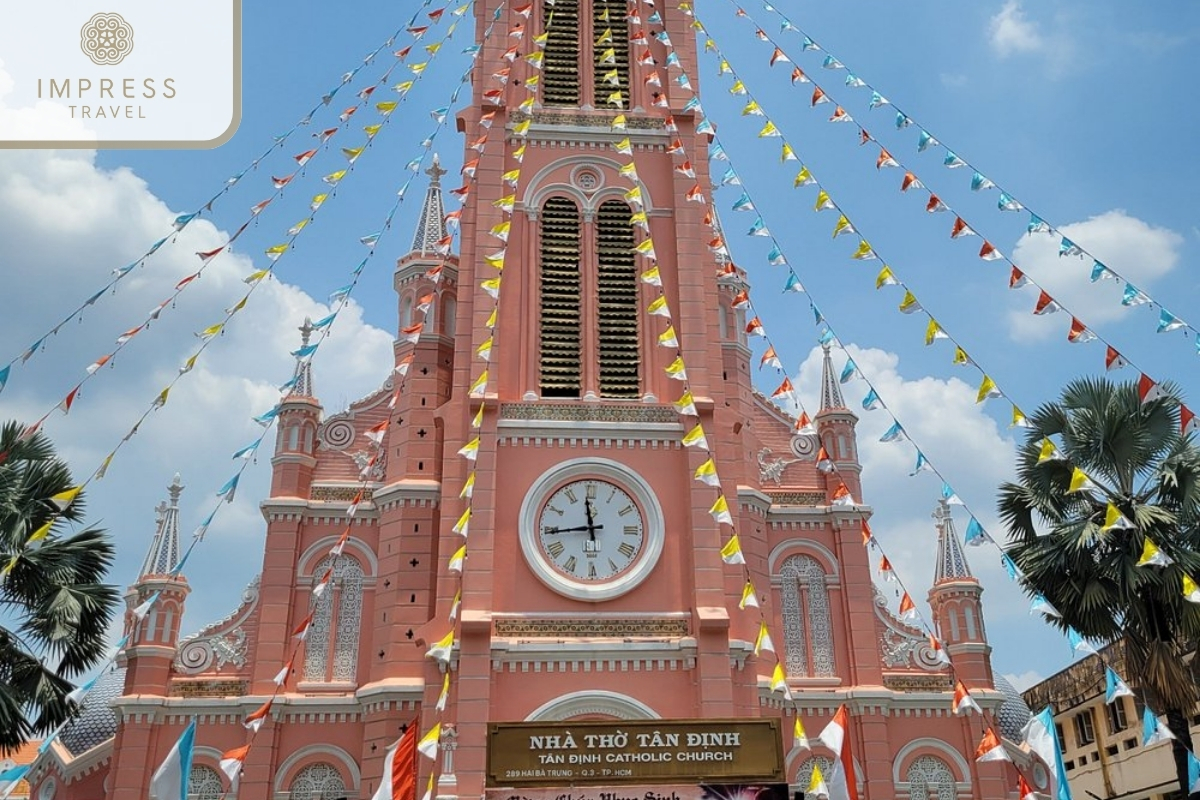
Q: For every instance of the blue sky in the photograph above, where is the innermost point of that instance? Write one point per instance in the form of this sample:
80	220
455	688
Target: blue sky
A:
1082	110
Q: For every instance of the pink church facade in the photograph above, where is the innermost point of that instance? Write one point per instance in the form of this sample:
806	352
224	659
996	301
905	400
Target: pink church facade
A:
578	400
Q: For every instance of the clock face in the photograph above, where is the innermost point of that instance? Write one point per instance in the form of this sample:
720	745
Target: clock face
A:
590	530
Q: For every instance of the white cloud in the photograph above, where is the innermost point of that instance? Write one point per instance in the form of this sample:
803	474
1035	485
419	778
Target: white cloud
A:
1022	681
1009	31
66	224
1137	250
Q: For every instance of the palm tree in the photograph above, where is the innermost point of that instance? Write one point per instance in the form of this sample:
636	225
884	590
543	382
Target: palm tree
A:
1136	458
54	608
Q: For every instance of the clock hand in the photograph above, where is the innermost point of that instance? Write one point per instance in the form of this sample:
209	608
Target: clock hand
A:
569	530
591	522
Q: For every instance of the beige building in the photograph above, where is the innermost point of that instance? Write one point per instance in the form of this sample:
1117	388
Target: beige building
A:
1102	742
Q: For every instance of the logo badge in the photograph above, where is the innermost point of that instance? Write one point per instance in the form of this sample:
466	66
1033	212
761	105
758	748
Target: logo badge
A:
106	38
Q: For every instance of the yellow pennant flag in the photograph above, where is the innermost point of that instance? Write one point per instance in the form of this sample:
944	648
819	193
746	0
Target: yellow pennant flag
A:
371	130
720	512
658	308
628	171
763	641
731	553
506	203
495	260
477	421
456	560
1113	518
1151	555
824	201
522	127
696	438
799	739
686	405
479	387
211	331
352	153
428	746
652	277
618	122
987	388
817	785
1191	592
933	331
255	277
676	369
885	278
667	338
491	320
961	359
442	648
864	252
769	130
787	153
1080	482
470	450
779	684
491	286
464	522
443	697
317	200
484	351
1048	452
512	176
843	226
803	178
749	596
64	499
41	533
707	473
333	177
468	486
909	304
1018	419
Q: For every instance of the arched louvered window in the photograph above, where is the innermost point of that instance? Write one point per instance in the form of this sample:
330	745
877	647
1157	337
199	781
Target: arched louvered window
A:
560	64
318	781
930	779
617	301
560	344
204	784
610	52
331	648
807	631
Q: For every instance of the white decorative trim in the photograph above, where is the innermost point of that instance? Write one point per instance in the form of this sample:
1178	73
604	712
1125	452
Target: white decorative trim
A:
536	193
321	750
575	704
789	547
313	554
946	751
604	468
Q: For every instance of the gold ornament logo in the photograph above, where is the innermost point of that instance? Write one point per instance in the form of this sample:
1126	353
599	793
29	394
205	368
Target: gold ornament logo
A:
106	39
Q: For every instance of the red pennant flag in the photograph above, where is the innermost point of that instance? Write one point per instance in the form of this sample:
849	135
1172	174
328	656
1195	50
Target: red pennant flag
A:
866	533
784	389
1017	279
1113	359
741	299
908	609
1045	304
256	718
818	95
1079	332
210	254
961	228
910	182
1187	420
935	205
303	158
400	768
1148	389
798	76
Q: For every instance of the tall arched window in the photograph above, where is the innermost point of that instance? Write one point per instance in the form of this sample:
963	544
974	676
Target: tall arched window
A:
560	65
807	631
449	312
406	311
204	784
618	301
318	782
337	618
610	54
930	779
560	344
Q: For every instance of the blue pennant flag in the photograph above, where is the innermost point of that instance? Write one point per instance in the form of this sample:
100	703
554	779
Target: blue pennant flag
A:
849	371
1099	272
793	284
1009	565
775	257
4	371
230	488
182	220
902	121
1037	225
266	417
743	203
826	336
922	464
1114	687
871	401
976	536
306	351
893	434
925	141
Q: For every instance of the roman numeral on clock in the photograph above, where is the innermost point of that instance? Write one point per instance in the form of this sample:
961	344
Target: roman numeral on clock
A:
632	530
626	510
555	549
570	493
626	549
570	565
591	570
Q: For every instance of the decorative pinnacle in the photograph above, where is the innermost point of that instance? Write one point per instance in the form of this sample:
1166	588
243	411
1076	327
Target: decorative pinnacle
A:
435	172
306	331
174	489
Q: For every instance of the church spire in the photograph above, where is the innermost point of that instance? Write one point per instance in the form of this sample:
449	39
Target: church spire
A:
302	382
431	228
831	388
951	560
163	556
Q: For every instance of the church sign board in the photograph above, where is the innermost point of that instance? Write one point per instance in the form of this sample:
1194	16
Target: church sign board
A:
709	751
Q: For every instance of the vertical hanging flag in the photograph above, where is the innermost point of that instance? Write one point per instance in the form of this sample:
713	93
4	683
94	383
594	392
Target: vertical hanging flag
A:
835	736
170	780
399	780
1040	735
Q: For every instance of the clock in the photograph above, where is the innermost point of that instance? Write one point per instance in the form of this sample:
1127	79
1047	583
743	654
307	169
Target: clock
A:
591	529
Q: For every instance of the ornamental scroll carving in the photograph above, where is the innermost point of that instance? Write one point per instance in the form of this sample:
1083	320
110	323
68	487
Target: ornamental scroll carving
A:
220	644
900	646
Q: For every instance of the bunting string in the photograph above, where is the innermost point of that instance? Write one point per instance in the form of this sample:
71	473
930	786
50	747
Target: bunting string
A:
183	220
976	534
1007	202
304	356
